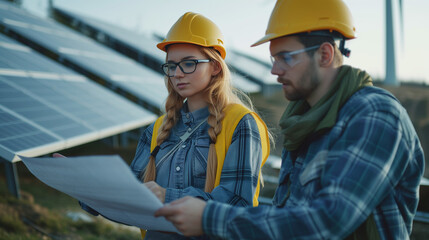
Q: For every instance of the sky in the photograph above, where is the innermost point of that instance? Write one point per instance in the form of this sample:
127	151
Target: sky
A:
243	22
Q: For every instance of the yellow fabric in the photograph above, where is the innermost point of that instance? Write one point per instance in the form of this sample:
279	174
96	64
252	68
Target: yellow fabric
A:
157	125
233	114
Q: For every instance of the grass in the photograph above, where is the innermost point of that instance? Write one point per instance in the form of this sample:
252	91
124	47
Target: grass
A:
25	219
41	213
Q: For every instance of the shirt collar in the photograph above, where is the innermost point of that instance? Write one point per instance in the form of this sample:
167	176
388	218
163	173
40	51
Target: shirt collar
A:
195	116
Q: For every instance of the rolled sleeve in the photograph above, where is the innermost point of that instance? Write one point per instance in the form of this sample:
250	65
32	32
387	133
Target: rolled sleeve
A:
214	219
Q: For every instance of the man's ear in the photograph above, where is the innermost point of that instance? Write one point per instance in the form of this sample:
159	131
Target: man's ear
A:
326	54
216	68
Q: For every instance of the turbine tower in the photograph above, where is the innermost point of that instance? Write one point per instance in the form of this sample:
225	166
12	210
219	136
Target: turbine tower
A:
390	78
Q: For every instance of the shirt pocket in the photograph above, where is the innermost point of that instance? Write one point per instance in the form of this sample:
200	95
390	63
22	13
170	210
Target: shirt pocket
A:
199	163
310	177
164	149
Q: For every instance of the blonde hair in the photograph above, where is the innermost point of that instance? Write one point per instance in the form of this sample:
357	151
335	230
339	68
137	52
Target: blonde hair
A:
220	94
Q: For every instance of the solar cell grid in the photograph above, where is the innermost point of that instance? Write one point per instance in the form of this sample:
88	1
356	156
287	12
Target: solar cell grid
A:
140	42
44	104
18	135
84	53
28	104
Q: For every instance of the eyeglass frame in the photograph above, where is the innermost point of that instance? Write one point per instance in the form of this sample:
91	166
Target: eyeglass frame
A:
291	54
196	61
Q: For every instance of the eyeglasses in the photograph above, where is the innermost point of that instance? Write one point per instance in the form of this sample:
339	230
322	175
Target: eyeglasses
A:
288	57
187	66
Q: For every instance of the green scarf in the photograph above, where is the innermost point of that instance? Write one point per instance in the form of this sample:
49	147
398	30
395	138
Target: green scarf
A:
300	120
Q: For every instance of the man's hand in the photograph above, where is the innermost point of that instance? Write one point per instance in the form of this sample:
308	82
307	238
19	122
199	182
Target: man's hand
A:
186	215
157	190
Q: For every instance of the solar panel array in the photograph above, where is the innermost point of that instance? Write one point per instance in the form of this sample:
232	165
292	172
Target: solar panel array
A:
255	69
45	107
138	46
85	55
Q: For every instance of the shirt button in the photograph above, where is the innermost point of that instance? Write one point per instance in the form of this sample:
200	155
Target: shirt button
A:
184	145
189	129
187	115
177	168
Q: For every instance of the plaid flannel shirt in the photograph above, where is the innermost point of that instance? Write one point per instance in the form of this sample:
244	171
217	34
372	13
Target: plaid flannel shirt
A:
370	162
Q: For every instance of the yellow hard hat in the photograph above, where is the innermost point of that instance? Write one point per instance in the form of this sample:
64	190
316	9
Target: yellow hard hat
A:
196	29
299	16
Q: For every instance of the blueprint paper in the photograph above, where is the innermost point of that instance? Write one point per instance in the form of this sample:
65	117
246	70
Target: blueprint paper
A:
106	184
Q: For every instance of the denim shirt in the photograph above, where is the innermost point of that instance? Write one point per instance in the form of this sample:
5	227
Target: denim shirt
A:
184	172
369	163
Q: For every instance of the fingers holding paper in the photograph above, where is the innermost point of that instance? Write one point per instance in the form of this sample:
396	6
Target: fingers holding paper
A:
186	215
156	189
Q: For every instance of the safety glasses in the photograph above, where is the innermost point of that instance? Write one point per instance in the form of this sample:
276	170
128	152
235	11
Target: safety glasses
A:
187	66
288	58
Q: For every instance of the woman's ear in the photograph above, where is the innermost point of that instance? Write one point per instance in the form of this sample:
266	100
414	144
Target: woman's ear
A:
326	56
216	68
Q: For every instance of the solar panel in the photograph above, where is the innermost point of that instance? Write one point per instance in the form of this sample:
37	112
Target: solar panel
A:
45	107
242	83
18	134
102	31
85	55
256	69
138	46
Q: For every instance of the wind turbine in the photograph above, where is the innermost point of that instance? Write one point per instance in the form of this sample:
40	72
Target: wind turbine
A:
390	78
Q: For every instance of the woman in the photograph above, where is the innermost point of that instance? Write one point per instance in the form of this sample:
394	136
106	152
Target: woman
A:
208	144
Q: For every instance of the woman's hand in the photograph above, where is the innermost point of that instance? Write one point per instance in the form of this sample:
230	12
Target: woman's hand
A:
156	189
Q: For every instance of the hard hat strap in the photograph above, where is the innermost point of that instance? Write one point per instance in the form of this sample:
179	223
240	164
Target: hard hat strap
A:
335	36
345	51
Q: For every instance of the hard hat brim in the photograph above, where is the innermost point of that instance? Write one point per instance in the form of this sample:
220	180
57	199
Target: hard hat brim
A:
163	45
265	39
272	36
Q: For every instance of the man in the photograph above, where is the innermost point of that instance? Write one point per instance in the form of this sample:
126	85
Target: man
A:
352	162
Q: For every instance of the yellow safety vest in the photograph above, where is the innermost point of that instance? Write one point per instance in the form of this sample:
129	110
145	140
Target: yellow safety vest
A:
233	114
